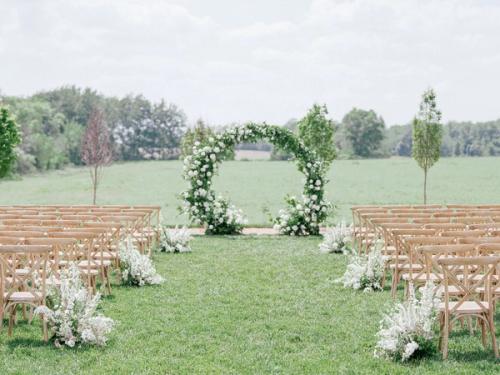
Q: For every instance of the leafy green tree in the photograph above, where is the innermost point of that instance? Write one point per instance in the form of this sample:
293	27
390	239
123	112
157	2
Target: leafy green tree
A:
200	133
9	139
365	131
427	135
316	131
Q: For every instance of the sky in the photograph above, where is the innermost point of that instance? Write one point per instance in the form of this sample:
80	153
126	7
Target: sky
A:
262	60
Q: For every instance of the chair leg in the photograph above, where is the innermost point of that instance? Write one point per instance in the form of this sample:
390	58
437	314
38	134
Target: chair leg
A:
446	327
12	318
491	323
45	330
482	323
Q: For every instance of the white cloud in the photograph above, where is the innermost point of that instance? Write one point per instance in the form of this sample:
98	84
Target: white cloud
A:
270	64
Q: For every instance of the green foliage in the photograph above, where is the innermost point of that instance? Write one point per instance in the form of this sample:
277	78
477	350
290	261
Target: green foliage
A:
219	216
427	135
200	133
278	154
316	131
52	124
427	132
365	132
9	139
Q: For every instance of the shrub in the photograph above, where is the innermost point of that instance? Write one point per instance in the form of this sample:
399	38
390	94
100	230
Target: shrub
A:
137	269
175	240
337	239
365	271
406	331
72	312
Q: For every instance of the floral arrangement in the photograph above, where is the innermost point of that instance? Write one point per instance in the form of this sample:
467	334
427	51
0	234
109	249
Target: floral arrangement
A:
407	331
337	239
365	271
71	315
175	240
219	216
136	268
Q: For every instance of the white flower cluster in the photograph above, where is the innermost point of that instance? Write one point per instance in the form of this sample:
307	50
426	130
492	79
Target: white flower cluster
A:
176	240
73	318
219	215
408	327
337	239
365	271
136	268
301	218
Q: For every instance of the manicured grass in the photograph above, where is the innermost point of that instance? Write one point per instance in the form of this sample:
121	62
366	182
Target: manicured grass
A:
256	185
240	305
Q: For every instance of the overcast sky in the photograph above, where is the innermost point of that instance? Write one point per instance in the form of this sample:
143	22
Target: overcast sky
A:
262	60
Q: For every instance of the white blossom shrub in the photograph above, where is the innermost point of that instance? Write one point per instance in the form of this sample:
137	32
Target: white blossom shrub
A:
71	314
136	268
337	239
407	330
175	240
219	216
365	271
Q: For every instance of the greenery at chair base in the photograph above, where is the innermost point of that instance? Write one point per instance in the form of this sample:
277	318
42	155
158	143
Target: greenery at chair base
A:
301	216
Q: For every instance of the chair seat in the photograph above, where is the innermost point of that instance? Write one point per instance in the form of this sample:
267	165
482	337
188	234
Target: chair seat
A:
422	278
23	297
467	307
95	263
89	272
105	255
405	266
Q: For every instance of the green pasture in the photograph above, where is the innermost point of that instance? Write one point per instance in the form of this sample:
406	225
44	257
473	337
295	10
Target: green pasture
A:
256	186
240	305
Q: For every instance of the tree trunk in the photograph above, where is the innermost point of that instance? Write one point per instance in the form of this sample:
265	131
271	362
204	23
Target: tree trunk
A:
94	180
425	186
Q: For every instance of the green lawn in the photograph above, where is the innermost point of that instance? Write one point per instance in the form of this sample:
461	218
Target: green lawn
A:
240	305
256	185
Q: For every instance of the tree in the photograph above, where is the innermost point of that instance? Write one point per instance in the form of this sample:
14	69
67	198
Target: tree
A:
316	131
96	148
9	139
365	131
427	135
200	133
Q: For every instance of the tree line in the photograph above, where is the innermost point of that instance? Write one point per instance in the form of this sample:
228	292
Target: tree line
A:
52	124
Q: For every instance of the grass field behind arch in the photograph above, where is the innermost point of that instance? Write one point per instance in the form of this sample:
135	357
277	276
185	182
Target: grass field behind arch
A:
258	185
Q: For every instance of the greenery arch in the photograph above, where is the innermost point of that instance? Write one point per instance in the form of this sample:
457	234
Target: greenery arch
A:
300	217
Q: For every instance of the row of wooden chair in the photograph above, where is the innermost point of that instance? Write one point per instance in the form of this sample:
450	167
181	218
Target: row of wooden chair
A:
36	241
457	247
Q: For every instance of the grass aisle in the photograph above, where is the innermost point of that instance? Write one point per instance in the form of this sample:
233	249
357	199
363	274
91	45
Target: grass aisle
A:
242	305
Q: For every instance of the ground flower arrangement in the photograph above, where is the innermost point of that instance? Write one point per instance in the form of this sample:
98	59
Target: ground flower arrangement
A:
407	330
365	271
176	240
301	217
71	312
136	268
337	239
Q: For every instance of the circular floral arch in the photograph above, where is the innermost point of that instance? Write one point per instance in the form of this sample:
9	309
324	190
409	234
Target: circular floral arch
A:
300	217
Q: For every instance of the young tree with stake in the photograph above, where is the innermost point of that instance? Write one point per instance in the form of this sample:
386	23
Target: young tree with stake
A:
427	135
96	148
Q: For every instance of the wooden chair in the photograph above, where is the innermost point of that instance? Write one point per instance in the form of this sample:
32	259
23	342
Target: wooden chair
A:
473	277
23	274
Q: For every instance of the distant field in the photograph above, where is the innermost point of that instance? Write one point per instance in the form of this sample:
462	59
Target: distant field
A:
255	185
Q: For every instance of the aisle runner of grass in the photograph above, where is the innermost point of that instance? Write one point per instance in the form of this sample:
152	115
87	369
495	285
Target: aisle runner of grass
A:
241	305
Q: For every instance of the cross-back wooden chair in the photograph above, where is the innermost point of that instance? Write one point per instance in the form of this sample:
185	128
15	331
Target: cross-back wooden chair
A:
23	272
416	272
472	276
